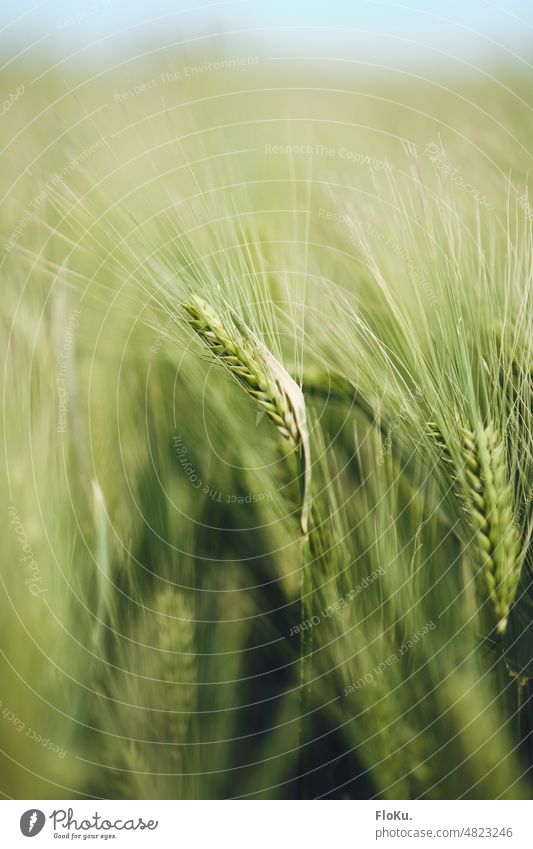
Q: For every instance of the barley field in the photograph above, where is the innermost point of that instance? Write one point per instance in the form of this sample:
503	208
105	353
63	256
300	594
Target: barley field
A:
267	417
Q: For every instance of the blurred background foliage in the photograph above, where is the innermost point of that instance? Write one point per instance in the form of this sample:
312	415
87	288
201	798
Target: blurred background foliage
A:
147	637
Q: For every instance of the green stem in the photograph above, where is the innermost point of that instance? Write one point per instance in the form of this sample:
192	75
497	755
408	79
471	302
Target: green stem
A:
524	701
306	670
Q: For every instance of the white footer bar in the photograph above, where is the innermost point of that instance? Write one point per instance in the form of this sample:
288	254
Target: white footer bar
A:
267	825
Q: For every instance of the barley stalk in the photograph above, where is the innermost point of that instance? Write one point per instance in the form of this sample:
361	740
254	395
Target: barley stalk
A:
104	580
265	379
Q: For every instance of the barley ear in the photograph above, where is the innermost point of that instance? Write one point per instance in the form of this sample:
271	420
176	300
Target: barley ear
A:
174	636
151	701
490	505
262	376
487	497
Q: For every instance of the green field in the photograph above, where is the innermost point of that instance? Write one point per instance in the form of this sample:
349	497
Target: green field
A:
217	582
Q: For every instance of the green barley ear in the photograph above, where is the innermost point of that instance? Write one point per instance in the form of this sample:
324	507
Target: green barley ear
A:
151	702
262	377
490	504
172	630
486	493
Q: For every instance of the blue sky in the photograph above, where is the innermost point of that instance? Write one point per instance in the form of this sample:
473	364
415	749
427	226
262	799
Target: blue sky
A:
473	30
